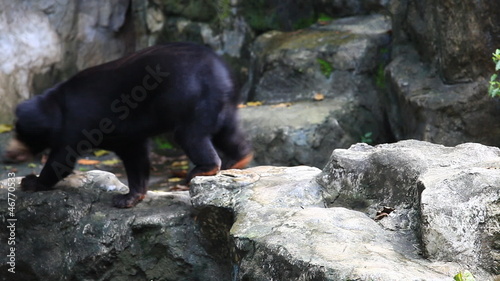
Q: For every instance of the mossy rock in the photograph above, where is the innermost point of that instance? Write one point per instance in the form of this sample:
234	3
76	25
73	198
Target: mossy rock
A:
198	10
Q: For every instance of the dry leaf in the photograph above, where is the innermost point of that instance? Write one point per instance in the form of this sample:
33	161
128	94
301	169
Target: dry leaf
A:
318	97
254	103
5	128
175	179
279	105
100	152
111	162
88	162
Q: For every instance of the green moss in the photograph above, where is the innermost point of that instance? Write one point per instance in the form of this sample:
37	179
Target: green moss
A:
324	18
326	67
367	138
162	143
380	77
223	8
260	15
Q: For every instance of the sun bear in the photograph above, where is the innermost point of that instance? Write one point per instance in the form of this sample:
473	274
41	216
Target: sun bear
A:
182	88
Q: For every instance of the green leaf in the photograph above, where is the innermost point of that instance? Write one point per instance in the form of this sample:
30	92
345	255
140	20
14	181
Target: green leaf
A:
325	67
496	55
464	276
5	128
111	162
100	152
493	77
496	92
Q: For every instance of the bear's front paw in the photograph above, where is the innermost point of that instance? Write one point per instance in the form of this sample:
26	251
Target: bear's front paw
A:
31	183
127	200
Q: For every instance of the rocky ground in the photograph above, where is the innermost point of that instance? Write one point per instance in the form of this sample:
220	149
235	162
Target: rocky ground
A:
438	217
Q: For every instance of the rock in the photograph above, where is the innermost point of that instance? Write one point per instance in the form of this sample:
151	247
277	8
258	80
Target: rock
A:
446	196
29	46
460	49
303	133
439	73
282	231
274	223
52	40
288	68
93	179
421	106
332	59
75	234
291	15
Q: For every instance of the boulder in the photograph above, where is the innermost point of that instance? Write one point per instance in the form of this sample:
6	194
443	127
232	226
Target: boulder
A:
334	62
446	197
438	78
75	234
331	59
273	223
420	105
457	37
304	133
282	231
47	41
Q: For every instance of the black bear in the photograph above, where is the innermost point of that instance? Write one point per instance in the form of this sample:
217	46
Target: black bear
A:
183	88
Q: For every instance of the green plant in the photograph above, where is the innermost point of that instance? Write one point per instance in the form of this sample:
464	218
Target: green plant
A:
223	8
324	18
325	67
494	89
367	138
464	276
380	77
162	143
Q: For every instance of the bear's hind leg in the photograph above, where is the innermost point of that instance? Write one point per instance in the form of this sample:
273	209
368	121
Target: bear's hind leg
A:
200	150
231	141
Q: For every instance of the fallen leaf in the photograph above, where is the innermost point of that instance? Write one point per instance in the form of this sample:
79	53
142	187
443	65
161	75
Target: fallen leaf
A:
279	105
100	152
254	103
318	97
88	162
111	162
5	128
180	164
175	179
31	165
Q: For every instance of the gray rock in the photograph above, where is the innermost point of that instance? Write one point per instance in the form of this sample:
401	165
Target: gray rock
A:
29	45
420	106
446	196
75	234
281	223
456	38
282	231
48	41
304	133
93	179
330	59
438	91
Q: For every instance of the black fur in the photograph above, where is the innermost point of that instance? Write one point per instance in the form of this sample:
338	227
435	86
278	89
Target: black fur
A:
179	87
